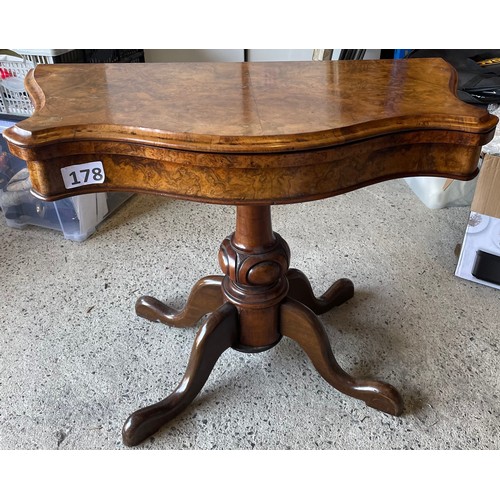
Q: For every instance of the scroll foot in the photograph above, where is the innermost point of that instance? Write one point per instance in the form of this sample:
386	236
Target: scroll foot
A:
205	297
301	290
214	337
302	325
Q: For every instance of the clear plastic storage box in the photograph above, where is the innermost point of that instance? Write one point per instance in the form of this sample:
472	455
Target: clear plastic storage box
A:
77	217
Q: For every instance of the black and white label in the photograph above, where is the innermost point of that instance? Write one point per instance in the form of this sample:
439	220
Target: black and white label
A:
82	175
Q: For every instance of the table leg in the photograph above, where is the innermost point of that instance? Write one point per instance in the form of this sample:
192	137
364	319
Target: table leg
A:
218	334
205	297
300	324
301	290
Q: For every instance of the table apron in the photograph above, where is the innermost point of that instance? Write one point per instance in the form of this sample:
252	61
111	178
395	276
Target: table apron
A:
259	178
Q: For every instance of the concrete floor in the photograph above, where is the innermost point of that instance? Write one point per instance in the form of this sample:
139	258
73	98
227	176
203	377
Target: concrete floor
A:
75	360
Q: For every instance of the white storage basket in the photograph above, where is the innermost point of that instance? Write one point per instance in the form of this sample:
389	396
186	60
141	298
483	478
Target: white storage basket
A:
13	98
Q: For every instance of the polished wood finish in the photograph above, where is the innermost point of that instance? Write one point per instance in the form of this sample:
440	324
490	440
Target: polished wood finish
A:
301	290
218	334
302	325
205	297
251	135
254	262
267	309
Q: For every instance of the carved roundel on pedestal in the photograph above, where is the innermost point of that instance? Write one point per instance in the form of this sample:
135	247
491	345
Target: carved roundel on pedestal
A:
255	269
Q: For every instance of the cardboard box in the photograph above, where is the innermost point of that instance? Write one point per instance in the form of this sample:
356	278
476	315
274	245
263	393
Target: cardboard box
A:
479	259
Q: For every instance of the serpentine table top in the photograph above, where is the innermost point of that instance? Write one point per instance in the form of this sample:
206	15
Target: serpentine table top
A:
248	133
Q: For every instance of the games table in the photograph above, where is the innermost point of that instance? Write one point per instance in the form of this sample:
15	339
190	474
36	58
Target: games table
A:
250	135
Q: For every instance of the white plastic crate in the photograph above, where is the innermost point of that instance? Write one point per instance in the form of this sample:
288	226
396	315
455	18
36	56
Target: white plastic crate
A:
13	98
48	56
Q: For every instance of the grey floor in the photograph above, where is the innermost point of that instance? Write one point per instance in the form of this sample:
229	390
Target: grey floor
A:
75	361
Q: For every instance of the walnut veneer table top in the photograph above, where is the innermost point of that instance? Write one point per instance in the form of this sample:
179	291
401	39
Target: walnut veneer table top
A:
248	132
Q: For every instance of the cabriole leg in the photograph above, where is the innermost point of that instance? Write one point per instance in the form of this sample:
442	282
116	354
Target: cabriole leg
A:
300	324
218	334
205	297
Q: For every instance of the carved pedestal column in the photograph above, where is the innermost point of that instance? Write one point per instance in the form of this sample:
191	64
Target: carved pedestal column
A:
255	262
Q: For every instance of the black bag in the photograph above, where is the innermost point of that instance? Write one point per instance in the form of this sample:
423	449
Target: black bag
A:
478	72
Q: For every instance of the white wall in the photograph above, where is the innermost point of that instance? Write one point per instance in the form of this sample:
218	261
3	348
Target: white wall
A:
237	55
193	55
297	54
280	54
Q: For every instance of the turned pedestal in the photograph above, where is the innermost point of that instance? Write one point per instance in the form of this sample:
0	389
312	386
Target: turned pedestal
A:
257	302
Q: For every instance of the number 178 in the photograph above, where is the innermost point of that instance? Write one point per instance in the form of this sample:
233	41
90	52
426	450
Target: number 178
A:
89	176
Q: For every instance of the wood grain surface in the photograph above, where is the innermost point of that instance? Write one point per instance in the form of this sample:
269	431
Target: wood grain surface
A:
248	133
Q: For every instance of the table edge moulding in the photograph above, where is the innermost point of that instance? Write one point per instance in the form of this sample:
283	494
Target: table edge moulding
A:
250	135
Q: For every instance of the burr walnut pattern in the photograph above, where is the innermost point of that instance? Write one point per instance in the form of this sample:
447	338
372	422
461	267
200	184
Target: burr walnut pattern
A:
251	132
